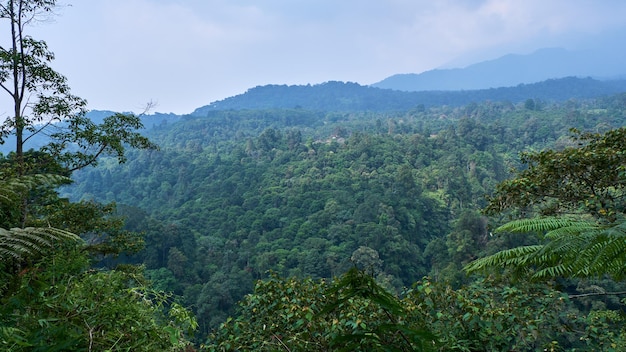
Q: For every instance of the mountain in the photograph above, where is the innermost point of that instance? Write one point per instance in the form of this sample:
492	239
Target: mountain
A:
511	70
148	120
340	96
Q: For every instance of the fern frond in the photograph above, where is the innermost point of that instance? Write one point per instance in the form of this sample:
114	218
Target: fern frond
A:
19	243
552	271
539	225
510	257
13	187
573	248
606	256
573	229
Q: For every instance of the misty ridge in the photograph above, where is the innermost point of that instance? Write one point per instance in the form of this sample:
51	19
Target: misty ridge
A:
550	74
513	69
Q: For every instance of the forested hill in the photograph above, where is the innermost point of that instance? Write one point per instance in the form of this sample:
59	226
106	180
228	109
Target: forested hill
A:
340	96
233	194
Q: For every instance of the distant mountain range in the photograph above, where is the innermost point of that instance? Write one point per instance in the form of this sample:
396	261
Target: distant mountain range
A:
511	70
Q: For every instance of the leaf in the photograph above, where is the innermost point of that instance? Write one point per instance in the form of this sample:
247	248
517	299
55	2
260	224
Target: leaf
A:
573	248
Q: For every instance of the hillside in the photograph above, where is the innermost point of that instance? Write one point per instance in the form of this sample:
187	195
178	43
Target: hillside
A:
234	194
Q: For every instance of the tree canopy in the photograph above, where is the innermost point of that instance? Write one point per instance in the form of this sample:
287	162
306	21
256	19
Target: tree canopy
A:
586	176
582	188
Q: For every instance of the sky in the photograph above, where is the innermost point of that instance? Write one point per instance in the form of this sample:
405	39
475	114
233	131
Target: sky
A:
121	55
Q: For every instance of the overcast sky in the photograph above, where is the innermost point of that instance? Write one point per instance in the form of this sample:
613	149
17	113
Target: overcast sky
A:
183	54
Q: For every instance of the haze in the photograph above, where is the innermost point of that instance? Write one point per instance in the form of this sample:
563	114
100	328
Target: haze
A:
121	54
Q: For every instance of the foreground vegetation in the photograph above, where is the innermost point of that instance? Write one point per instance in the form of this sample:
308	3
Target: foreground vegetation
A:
53	296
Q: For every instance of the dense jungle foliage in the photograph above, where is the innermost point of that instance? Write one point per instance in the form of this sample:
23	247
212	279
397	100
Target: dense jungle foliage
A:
235	195
328	218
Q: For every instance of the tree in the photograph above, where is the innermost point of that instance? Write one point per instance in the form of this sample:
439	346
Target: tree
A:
587	180
587	177
62	305
50	297
353	313
43	107
42	102
487	315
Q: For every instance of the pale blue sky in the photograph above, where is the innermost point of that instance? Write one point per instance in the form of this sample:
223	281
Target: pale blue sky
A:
183	54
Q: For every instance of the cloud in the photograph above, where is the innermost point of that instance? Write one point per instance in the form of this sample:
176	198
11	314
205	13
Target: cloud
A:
187	53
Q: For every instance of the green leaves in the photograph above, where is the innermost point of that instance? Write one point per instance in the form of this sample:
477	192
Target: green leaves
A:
62	304
572	248
543	225
43	104
82	142
488	316
587	177
352	313
389	333
18	244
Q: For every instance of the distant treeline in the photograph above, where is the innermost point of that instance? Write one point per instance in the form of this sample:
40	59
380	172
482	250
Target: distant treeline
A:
340	96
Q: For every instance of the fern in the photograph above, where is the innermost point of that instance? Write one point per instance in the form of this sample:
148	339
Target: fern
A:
573	248
540	225
11	187
19	243
511	257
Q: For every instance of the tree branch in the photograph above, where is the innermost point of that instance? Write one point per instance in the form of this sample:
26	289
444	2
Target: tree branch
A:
597	294
91	160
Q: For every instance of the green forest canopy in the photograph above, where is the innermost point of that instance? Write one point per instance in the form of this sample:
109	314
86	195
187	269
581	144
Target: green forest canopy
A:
303	193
